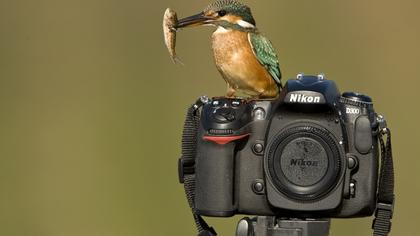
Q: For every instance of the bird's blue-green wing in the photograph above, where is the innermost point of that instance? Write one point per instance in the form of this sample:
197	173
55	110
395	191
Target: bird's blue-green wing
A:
264	51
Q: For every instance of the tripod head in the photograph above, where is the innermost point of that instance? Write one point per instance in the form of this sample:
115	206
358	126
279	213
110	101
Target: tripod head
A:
273	226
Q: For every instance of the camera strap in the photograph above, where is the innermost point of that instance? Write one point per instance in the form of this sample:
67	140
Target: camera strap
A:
186	164
385	205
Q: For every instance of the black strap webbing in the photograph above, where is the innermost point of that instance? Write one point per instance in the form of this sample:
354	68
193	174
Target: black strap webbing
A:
186	165
385	206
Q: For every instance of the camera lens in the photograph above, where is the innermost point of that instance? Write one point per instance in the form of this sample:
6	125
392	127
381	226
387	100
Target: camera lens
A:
304	162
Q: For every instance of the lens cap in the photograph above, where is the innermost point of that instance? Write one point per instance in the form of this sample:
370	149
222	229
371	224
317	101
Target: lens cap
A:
304	162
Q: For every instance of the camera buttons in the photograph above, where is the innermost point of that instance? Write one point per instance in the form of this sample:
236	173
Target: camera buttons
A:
258	186
352	162
259	113
258	148
357	97
353	188
224	115
236	103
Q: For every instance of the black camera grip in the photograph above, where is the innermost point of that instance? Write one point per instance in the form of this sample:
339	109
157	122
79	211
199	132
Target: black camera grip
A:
215	179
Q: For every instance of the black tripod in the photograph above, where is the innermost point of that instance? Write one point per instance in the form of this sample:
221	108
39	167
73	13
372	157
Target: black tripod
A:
273	226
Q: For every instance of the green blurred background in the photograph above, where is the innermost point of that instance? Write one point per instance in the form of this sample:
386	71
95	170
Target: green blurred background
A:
91	107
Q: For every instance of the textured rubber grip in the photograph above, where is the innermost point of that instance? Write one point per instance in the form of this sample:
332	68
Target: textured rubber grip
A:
215	179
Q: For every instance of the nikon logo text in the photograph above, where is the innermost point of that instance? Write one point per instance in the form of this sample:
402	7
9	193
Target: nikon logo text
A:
302	162
301	98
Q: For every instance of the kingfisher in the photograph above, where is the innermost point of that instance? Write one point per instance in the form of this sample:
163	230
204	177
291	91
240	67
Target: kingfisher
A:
244	57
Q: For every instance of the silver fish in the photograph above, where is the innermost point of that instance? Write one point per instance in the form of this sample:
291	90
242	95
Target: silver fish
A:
170	20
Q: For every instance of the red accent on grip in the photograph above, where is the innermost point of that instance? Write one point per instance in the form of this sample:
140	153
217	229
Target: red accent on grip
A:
224	139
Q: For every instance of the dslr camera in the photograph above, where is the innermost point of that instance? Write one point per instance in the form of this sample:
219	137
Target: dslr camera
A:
312	152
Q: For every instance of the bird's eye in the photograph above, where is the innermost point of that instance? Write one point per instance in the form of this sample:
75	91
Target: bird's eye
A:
222	13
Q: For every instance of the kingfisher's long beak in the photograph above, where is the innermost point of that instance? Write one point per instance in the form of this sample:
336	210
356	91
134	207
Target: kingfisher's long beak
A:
195	20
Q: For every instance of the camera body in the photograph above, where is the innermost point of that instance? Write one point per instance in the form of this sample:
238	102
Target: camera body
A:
312	152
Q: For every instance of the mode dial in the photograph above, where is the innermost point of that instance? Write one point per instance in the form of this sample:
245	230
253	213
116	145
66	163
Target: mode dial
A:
356	99
224	115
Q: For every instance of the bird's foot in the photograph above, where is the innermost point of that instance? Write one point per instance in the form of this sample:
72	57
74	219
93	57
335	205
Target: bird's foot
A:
231	94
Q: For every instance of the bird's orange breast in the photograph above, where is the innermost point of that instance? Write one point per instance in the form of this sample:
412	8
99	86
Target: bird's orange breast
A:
238	65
